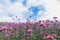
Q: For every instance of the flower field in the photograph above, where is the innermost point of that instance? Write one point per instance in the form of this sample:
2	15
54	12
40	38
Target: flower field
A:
38	30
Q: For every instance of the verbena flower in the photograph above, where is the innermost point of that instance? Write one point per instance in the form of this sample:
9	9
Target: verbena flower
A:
4	27
11	28
50	37
6	36
54	35
30	31
42	25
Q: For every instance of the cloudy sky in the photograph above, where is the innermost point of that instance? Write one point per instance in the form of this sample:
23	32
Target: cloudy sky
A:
24	9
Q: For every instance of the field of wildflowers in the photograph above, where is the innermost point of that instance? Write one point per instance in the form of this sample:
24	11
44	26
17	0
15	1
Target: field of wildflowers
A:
40	30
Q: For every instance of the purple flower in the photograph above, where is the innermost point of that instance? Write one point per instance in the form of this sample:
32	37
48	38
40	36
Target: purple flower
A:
11	28
4	27
50	37
6	35
30	31
42	25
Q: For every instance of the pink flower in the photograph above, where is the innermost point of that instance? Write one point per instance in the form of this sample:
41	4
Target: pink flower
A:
11	28
30	31
42	24
4	27
6	35
50	37
54	35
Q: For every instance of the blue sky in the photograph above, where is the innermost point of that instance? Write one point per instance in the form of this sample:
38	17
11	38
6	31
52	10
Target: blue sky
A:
38	9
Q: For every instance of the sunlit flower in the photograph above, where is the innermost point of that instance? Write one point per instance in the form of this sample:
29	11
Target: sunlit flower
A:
4	27
50	37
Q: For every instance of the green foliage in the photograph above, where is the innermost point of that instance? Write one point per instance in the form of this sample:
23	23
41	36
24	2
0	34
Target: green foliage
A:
16	37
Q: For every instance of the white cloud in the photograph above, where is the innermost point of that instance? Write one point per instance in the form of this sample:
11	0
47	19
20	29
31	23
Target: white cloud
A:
53	9
17	9
34	3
